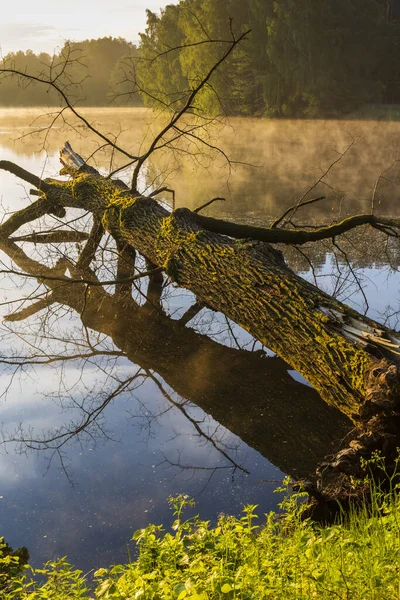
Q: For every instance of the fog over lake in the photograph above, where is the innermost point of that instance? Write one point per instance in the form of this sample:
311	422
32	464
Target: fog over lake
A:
282	158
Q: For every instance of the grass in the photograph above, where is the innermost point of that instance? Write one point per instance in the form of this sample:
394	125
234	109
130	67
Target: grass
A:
286	558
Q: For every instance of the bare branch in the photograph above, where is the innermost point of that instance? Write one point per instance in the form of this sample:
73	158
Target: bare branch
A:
203	206
164	189
7	165
191	313
186	108
89	282
53	237
30	310
52	83
89	251
300	203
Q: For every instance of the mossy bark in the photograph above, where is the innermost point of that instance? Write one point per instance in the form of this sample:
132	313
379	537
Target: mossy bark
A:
349	359
247	281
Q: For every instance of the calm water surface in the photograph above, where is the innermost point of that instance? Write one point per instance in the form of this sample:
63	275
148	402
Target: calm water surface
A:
199	408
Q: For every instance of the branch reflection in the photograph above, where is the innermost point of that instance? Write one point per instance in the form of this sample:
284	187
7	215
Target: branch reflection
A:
249	393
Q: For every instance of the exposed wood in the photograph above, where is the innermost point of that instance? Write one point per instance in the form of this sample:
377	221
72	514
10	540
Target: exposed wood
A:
247	280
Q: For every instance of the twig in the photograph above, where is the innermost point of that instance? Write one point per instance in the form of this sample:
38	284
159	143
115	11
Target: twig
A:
90	282
200	208
300	202
289	210
164	189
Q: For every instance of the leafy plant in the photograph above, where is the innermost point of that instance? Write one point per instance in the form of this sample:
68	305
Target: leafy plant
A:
285	557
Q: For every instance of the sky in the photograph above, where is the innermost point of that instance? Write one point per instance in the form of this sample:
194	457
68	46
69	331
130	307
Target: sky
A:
44	25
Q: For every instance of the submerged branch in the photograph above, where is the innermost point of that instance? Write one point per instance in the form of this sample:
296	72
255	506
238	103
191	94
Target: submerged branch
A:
21	173
90	282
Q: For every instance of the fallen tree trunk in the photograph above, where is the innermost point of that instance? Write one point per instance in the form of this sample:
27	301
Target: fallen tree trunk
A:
351	360
335	348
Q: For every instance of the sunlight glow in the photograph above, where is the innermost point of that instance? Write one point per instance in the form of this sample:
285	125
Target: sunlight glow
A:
45	25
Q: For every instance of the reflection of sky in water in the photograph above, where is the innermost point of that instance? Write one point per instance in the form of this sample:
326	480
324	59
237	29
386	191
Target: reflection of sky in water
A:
121	484
380	286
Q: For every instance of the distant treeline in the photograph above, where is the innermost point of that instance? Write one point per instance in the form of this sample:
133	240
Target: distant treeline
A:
88	71
302	58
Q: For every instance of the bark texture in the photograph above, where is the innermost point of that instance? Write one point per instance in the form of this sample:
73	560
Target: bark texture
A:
332	346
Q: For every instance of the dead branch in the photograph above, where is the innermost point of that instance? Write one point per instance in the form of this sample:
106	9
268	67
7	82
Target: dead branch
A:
203	206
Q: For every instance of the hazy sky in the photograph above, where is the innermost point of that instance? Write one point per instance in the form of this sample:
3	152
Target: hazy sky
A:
44	25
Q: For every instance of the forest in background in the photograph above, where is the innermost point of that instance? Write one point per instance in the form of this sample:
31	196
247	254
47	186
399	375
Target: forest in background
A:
88	79
303	58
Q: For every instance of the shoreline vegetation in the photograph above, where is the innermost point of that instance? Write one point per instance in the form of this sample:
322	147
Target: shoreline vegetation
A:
321	60
287	69
287	557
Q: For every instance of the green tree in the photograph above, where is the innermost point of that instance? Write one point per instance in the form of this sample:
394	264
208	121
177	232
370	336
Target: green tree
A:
85	71
326	56
16	92
92	67
124	84
159	69
303	58
231	90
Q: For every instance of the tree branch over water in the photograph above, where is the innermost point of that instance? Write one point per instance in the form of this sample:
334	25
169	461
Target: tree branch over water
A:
272	235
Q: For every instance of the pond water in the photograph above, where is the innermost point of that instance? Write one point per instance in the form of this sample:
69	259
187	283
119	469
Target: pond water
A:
105	416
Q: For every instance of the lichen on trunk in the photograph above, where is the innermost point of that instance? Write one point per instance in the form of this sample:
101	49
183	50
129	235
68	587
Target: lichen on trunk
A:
249	282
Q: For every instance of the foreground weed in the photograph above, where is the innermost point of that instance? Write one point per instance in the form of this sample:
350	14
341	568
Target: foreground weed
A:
286	557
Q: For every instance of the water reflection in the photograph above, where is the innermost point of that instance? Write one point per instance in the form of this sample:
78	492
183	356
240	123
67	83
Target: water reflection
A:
246	393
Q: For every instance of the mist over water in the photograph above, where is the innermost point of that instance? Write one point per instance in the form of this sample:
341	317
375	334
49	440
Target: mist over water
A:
282	159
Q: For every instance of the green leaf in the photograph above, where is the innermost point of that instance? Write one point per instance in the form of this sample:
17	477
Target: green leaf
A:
226	588
104	587
318	575
100	572
138	533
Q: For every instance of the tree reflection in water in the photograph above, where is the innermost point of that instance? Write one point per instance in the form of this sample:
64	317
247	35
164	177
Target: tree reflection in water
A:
249	393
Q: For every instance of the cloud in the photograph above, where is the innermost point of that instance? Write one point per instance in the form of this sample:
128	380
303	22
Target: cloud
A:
24	31
37	37
138	7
